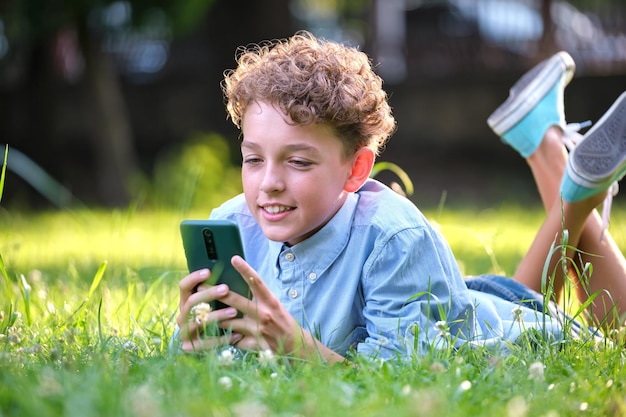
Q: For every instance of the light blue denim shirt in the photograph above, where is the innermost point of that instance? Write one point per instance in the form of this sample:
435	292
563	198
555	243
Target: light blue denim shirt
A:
377	277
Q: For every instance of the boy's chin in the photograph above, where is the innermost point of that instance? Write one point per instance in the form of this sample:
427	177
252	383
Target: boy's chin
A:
276	236
286	238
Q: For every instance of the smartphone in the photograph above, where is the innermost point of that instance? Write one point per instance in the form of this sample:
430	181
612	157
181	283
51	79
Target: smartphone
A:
211	244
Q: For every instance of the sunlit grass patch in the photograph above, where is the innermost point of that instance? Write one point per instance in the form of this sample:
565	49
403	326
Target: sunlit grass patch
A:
68	239
102	299
489	240
494	240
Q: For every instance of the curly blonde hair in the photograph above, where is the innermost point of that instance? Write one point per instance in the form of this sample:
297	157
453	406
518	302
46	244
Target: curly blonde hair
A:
313	81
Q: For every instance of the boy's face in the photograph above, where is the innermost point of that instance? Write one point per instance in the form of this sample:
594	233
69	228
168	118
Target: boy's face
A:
293	175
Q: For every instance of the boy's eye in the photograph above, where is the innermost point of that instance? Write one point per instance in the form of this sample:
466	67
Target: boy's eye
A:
251	160
300	163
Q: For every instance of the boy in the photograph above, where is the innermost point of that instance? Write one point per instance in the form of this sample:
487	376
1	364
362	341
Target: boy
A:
337	262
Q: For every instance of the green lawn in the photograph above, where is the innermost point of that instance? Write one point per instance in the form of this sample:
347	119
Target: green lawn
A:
88	301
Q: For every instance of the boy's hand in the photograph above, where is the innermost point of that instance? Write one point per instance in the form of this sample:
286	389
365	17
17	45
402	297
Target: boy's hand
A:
193	292
265	323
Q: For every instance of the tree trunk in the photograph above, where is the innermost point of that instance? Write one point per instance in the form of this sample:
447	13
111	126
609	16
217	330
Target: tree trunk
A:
548	42
110	131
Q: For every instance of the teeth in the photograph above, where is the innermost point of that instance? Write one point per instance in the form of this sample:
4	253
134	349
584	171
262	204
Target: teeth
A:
275	209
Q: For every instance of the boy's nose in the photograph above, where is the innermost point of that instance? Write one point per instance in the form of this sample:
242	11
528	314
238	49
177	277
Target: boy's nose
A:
272	180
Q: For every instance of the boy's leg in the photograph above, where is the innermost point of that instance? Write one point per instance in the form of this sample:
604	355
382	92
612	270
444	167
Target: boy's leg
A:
592	167
531	121
522	121
584	227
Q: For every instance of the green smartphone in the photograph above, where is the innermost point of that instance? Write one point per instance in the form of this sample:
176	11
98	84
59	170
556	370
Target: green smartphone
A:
211	244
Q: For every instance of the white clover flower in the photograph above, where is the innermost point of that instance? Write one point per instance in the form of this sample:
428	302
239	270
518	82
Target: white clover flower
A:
130	346
200	313
266	357
50	307
443	329
517	313
465	385
49	385
14	335
535	371
144	401
437	368
441	325
226	357
35	276
517	407
225	382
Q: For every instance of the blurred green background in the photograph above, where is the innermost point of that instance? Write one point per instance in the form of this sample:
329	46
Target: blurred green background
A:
108	96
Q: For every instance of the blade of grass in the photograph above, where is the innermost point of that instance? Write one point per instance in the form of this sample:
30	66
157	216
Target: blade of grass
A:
94	285
8	295
97	279
7	291
4	170
25	290
404	177
150	293
100	332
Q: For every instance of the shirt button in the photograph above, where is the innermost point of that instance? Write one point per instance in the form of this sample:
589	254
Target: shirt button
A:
290	256
312	276
293	293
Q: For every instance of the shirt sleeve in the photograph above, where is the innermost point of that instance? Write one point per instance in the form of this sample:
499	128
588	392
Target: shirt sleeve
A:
414	295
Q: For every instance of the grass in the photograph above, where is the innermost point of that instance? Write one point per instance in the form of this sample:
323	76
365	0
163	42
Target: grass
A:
88	301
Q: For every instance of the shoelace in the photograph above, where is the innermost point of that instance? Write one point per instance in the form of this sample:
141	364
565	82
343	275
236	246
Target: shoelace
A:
570	139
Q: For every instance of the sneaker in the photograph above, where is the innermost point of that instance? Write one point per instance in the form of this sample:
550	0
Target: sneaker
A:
599	159
534	104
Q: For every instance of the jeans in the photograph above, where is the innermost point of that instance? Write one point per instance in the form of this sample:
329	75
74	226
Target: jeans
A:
507	289
515	292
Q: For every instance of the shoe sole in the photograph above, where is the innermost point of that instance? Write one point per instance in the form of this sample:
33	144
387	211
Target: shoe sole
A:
600	158
530	89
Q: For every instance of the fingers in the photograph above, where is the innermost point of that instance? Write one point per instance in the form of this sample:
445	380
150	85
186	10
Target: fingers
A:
188	285
205	296
192	299
257	286
204	330
201	333
201	327
191	325
253	343
201	343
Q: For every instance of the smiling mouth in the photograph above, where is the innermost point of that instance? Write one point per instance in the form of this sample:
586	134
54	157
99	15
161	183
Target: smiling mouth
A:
277	209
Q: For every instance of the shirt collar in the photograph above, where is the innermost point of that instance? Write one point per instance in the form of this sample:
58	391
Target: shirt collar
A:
318	252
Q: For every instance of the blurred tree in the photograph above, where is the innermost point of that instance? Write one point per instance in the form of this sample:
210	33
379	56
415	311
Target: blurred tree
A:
69	36
548	41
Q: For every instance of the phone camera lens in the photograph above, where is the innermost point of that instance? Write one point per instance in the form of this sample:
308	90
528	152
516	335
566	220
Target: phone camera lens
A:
209	243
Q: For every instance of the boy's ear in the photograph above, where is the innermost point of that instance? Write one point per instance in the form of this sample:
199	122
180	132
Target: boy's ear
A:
361	169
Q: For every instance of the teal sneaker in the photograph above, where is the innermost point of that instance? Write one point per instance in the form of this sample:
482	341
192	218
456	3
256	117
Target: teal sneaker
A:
534	104
599	159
